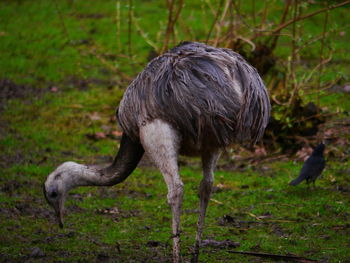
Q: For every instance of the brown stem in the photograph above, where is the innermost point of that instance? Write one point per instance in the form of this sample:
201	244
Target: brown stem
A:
263	19
172	18
283	19
284	25
232	28
253	13
294	57
178	11
264	16
117	21
321	52
220	24
280	27
129	27
215	20
65	31
293	60
168	29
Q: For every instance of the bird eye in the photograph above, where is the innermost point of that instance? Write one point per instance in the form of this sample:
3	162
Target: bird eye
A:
53	194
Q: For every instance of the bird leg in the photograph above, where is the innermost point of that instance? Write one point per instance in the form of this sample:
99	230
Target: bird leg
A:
161	143
208	163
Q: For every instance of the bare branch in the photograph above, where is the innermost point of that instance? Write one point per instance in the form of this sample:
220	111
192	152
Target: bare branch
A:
223	16
283	19
322	48
280	27
117	21
144	35
129	27
215	20
172	18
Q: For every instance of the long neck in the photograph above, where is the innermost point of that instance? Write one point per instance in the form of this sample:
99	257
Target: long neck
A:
129	155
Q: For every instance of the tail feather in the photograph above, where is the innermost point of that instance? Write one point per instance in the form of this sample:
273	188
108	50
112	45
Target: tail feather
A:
297	180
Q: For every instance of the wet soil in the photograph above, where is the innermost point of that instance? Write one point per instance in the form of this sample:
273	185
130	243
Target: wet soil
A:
11	90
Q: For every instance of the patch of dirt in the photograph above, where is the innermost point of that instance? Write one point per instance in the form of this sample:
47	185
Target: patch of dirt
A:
117	213
278	230
124	190
12	90
153	243
17	157
220	244
84	84
37	253
60	236
90	16
102	257
30	208
74	208
231	221
9	187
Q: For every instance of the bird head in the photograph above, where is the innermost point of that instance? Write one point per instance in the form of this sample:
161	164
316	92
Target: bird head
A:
319	149
57	185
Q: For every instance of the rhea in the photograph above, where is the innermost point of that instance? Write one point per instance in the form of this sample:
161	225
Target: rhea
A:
193	100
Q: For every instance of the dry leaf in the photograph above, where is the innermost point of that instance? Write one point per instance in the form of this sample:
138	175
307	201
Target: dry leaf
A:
94	116
106	128
100	135
260	151
304	153
116	134
109	211
53	89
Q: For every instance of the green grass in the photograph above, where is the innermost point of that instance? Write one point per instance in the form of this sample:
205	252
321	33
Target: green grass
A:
271	216
43	128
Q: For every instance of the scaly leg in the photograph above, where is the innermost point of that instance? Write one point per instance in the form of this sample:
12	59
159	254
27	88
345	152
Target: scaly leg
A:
209	160
161	143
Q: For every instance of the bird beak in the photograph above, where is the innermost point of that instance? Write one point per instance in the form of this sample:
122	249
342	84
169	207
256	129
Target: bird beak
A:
58	207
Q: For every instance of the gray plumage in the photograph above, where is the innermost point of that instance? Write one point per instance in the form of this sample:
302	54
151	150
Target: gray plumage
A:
313	167
211	95
192	100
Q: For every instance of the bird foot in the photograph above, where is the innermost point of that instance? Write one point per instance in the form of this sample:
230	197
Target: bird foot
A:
194	258
175	235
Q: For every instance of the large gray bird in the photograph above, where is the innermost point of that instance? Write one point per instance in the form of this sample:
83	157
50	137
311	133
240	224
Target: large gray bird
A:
313	167
193	100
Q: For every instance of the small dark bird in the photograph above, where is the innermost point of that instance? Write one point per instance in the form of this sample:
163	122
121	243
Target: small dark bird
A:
312	167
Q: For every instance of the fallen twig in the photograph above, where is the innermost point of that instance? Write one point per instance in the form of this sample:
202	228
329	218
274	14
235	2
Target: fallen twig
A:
216	201
273	256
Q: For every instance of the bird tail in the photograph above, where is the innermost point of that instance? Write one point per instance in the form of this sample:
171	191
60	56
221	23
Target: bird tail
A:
297	180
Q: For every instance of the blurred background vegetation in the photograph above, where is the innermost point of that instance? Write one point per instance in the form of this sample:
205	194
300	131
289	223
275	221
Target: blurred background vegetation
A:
300	48
64	67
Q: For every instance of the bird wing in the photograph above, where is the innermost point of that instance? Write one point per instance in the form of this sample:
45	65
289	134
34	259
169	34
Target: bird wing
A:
312	167
209	94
